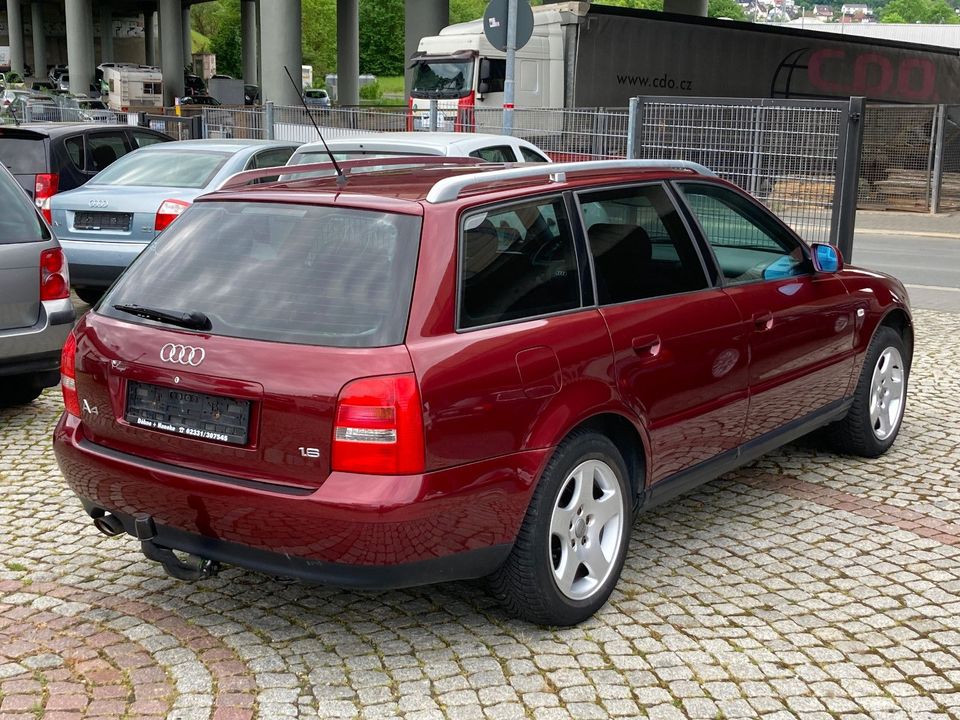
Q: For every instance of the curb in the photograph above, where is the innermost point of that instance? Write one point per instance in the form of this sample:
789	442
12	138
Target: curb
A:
911	233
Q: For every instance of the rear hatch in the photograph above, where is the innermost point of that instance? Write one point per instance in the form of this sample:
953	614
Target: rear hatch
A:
300	300
24	152
22	238
122	202
105	213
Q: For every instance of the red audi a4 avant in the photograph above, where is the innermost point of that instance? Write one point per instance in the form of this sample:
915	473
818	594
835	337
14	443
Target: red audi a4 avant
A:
458	370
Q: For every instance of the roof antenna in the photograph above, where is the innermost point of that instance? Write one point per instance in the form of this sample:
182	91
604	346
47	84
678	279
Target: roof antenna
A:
341	178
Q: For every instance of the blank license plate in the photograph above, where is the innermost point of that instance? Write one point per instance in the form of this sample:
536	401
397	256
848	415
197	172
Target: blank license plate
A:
102	221
195	415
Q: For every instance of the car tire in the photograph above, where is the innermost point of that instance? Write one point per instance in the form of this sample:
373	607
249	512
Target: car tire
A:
90	295
19	390
874	419
572	544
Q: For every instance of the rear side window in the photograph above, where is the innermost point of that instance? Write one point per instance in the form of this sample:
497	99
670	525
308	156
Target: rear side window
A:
23	155
517	262
640	246
74	148
498	154
287	273
531	156
18	220
105	149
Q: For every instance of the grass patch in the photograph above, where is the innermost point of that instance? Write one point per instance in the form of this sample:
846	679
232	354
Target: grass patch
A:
392	85
15	566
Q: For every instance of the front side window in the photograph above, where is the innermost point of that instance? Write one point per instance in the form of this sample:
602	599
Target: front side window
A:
142	139
516	263
494	71
748	244
639	244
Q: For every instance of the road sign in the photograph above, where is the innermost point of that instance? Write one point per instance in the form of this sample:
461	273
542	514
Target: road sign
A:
495	23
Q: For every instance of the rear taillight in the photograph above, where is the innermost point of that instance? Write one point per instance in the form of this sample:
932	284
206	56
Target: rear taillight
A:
54	275
68	376
45	187
379	427
169	211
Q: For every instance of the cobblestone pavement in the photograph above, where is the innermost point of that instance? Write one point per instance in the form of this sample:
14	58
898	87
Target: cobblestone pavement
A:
806	585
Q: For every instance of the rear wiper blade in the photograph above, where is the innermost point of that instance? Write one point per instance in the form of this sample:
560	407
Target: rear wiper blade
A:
194	320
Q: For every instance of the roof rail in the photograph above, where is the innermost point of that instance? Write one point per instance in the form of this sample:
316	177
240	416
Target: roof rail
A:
241	179
449	188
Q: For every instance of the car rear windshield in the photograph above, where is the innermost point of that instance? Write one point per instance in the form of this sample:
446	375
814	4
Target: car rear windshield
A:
19	221
311	275
180	168
23	155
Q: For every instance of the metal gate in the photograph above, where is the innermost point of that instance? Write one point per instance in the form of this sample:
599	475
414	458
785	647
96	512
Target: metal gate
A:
800	157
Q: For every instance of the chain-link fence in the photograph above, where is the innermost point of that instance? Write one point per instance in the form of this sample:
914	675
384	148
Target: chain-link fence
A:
896	169
787	153
565	135
36	110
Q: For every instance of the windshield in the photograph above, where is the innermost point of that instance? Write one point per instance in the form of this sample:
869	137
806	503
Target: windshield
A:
448	79
328	276
180	168
23	155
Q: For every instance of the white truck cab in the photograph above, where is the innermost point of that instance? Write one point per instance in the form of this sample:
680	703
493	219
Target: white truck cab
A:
463	71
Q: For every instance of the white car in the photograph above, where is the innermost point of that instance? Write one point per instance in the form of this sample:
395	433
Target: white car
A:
492	148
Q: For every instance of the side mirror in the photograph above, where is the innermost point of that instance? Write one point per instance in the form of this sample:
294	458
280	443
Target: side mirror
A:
483	75
826	258
483	87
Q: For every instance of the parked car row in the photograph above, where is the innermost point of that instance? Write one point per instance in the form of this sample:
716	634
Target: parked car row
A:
452	365
431	369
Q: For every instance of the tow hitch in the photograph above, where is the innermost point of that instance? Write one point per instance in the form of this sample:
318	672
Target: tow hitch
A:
190	567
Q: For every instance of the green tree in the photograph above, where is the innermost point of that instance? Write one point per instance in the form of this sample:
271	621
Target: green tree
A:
381	37
223	25
918	11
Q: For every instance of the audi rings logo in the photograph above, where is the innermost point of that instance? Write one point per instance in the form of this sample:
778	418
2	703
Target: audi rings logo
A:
98	203
182	354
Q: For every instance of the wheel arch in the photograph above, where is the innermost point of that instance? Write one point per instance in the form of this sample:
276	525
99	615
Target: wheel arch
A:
899	321
627	438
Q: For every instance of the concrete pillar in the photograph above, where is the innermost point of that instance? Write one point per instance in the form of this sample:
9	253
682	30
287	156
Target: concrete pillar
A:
422	18
149	37
39	41
249	41
281	43
348	52
686	7
79	21
106	33
15	32
171	49
187	38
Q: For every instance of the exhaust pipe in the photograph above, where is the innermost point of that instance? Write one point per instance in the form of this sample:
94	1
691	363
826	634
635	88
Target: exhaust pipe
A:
108	524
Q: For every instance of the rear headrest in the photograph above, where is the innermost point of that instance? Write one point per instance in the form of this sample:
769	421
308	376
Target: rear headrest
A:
607	237
482	245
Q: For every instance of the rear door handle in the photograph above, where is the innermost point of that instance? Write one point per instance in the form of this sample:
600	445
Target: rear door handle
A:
646	345
763	321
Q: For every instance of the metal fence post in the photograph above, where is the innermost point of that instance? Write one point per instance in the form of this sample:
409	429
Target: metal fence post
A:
938	141
197	127
632	113
848	179
433	116
268	120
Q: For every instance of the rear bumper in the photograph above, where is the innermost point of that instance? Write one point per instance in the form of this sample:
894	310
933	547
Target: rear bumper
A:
36	349
352	531
97	263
